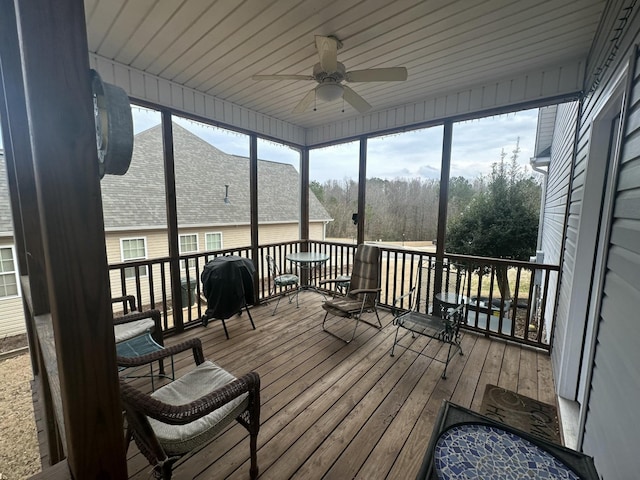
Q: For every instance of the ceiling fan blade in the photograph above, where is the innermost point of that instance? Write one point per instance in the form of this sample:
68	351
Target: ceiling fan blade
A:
393	74
328	53
282	77
305	102
355	100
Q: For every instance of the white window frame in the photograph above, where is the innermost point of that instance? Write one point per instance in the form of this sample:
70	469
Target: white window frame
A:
192	262
143	270
208	234
14	272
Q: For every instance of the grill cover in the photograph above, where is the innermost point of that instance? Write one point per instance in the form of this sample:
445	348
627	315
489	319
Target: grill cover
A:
227	284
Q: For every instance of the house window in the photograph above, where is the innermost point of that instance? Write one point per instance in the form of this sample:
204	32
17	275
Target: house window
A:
8	274
213	241
188	244
134	249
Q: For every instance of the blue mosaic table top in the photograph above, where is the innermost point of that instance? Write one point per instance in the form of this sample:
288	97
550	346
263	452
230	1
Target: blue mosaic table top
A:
476	451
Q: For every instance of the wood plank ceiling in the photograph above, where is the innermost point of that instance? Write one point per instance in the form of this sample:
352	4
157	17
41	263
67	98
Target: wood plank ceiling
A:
447	45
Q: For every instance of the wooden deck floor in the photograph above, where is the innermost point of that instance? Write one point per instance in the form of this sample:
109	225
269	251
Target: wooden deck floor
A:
337	411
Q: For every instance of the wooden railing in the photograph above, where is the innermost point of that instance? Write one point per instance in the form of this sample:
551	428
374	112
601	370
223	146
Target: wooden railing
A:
515	313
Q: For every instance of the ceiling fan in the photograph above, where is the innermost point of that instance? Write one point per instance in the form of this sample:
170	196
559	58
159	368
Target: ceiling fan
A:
329	73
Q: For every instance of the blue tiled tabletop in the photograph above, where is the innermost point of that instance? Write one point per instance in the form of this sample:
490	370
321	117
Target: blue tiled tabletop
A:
465	445
483	451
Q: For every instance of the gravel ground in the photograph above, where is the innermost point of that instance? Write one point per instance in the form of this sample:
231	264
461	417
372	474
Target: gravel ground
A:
19	455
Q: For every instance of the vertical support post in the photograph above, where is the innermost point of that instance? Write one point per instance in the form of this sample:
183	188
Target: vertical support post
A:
18	157
445	171
362	188
172	218
253	208
55	66
304	196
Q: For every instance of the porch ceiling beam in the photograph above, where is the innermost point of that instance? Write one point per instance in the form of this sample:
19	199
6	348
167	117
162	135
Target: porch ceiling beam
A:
53	45
164	93
544	86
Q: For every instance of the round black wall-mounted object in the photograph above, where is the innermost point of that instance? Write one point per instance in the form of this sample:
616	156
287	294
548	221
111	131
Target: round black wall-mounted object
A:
114	126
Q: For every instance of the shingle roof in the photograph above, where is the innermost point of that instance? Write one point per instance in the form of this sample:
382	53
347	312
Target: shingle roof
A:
137	200
202	171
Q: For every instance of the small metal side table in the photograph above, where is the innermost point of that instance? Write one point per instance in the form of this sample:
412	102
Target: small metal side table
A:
465	444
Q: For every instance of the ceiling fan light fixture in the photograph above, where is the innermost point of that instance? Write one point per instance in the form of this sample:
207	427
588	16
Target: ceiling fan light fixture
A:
328	92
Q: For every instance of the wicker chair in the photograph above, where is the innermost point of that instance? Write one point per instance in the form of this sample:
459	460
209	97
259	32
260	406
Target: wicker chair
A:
362	293
188	413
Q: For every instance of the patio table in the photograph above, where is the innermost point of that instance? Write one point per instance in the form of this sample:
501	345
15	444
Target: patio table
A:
466	444
307	261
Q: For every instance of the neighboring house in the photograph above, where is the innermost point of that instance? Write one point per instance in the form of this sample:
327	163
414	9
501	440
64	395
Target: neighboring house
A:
212	190
11	314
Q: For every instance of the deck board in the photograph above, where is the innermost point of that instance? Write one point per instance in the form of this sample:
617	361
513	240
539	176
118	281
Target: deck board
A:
331	410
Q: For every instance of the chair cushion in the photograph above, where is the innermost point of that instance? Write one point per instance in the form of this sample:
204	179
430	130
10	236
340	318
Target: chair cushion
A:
205	378
125	331
343	306
286	279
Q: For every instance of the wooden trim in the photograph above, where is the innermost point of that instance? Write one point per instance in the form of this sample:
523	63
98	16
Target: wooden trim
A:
362	188
49	387
60	471
488	112
172	218
208	121
53	45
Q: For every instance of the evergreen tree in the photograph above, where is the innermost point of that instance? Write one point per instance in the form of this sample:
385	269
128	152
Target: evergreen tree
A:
501	221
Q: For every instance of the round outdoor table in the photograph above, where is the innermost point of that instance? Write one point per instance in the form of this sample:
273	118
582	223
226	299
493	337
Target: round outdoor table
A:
476	450
307	258
306	261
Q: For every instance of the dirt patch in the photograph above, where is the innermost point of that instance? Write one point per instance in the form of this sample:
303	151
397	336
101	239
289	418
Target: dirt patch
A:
19	455
11	343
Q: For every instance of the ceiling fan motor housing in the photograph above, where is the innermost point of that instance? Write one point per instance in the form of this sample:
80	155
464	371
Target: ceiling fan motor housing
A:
322	76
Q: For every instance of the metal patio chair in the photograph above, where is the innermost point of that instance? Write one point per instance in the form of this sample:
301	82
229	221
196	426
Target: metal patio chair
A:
362	292
282	280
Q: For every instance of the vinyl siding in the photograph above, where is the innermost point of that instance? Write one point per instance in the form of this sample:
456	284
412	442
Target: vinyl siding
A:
157	247
556	196
12	317
11	312
611	434
609	430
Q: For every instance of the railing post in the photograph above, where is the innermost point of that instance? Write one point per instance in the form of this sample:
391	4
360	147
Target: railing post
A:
253	207
362	188
304	194
442	209
172	218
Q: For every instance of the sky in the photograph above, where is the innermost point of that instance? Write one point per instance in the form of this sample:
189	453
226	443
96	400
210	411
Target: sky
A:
477	144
